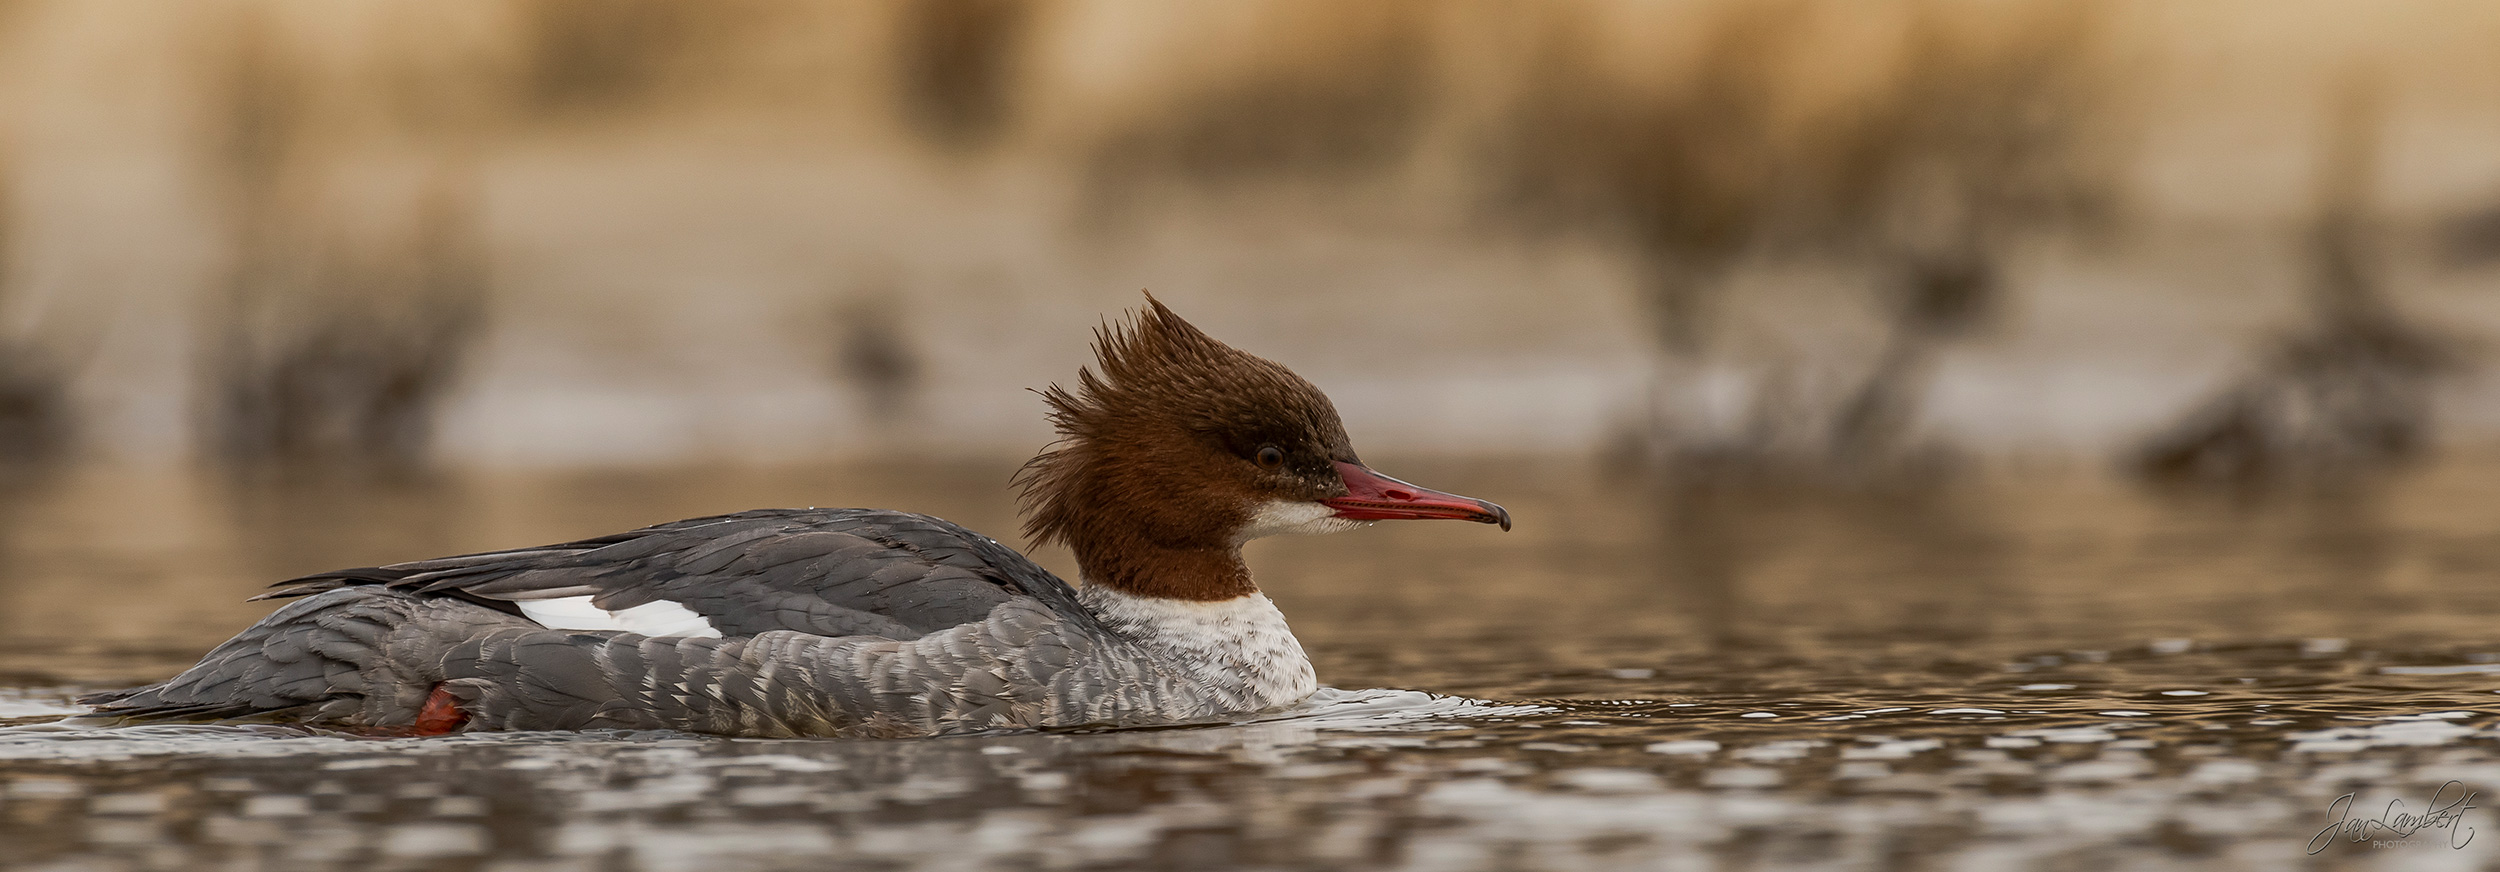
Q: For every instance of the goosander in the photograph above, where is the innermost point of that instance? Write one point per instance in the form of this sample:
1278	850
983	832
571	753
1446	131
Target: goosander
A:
863	622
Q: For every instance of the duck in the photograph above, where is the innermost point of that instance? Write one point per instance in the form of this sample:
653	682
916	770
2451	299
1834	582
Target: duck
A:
1173	450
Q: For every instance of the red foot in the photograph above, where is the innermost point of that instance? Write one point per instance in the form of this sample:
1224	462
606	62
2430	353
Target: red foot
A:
441	714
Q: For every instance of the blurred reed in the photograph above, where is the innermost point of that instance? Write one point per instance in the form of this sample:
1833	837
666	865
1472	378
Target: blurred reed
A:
1344	99
34	408
334	356
874	353
329	350
957	66
35	413
2348	392
1877	177
1984	126
1683	170
613	57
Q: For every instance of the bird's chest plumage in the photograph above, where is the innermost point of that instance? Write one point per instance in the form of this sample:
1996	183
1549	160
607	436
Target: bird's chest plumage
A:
1239	650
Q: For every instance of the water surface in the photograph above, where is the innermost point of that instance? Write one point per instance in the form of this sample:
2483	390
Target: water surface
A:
2022	670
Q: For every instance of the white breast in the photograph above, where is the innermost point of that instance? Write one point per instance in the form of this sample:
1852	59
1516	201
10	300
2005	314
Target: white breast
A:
1241	646
655	618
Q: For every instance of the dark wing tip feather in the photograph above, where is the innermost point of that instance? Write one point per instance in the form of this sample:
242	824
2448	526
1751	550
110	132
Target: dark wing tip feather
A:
174	713
323	582
110	696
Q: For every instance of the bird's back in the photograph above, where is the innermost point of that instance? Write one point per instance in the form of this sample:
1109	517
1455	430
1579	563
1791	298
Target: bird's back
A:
769	622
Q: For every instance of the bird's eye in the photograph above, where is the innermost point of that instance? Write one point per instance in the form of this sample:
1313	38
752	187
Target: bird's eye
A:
1270	457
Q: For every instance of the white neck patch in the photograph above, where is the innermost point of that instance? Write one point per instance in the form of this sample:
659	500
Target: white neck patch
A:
1240	647
1293	516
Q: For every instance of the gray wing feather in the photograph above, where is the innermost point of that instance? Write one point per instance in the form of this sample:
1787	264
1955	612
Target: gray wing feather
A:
822	571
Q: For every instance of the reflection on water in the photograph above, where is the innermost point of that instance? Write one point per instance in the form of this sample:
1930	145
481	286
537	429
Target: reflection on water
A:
2010	672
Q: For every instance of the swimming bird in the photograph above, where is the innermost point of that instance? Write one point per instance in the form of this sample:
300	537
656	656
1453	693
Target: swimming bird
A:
1174	450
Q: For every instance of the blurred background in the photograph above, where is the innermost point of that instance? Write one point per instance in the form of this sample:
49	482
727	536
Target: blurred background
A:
2214	239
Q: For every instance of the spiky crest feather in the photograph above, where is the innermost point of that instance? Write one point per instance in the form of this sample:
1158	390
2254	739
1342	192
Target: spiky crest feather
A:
1127	477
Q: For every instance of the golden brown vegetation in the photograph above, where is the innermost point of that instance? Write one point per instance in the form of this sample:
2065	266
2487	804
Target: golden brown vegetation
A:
2347	392
1978	129
328	350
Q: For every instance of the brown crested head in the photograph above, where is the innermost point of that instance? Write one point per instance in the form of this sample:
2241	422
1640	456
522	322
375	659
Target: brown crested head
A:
1182	447
1169	452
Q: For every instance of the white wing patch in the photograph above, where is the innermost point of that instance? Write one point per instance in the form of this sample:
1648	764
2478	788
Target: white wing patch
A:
655	618
569	613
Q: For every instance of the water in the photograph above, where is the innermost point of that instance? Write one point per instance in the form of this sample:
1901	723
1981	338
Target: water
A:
2024	670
